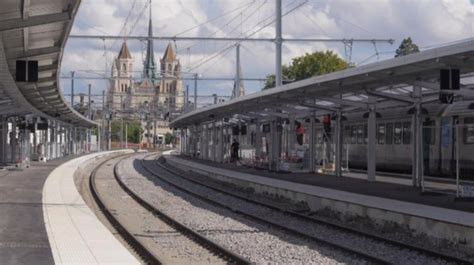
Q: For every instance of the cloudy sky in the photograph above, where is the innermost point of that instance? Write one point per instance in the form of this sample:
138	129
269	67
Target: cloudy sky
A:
429	23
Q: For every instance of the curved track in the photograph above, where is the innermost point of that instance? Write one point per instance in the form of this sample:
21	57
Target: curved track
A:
147	254
424	251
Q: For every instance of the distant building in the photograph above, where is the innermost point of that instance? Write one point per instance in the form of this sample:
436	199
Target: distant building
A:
155	98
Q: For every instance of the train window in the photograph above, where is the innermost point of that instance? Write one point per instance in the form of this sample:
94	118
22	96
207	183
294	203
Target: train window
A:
347	134
469	130
360	134
389	134
397	133
354	134
429	132
366	135
406	132
381	133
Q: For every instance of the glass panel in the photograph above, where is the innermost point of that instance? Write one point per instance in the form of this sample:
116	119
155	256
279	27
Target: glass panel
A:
354	134
406	132
381	133
366	135
389	135
397	135
347	134
360	134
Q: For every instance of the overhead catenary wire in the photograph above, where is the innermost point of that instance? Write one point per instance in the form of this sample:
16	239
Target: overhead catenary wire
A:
248	35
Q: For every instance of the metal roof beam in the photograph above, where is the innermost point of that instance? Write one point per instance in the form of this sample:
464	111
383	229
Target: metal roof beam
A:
34	21
317	106
391	96
340	101
34	53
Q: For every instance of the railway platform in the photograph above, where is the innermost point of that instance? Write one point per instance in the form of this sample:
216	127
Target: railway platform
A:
46	221
439	216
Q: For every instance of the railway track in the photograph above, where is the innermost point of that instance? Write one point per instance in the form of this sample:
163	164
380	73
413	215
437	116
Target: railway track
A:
425	251
148	254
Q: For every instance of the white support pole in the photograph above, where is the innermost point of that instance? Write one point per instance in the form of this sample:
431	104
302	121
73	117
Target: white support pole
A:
278	43
371	135
338	144
126	135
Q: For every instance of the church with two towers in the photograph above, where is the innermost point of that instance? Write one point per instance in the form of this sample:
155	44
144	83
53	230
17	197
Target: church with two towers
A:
158	95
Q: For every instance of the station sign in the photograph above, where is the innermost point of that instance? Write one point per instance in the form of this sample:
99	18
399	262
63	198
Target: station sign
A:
450	79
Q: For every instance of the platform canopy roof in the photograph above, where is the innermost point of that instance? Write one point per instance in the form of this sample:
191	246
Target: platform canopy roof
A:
36	30
386	84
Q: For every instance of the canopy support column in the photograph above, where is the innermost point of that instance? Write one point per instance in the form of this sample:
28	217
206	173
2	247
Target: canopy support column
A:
312	166
214	142
221	142
371	146
258	140
13	141
417	158
338	144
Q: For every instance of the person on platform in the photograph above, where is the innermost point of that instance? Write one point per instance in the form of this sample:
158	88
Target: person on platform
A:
299	133
234	151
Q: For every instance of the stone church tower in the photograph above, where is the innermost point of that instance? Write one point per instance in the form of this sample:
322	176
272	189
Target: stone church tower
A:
121	82
171	94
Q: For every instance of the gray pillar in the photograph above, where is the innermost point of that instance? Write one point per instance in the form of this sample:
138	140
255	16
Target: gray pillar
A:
60	132
417	143
371	146
214	142
3	139
312	166
338	139
221	143
51	139
13	142
274	145
258	140
45	143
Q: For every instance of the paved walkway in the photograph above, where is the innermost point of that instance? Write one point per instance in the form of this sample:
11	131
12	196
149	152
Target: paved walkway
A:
23	237
392	191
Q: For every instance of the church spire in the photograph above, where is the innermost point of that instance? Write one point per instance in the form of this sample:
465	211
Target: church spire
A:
149	69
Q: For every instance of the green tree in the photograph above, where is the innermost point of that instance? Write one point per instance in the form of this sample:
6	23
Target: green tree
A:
169	138
308	65
133	130
406	47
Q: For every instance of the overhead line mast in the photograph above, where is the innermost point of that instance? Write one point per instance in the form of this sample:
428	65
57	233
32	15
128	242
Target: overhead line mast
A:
278	40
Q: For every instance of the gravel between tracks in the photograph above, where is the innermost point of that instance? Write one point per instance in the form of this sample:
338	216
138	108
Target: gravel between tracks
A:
257	242
169	245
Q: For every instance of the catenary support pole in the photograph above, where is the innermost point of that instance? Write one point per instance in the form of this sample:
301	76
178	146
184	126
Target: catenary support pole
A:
72	89
278	44
195	90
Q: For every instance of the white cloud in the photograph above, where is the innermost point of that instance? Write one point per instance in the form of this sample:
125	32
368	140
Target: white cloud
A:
428	22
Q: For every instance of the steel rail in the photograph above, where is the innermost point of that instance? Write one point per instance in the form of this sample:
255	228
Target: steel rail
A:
226	254
138	247
348	250
426	251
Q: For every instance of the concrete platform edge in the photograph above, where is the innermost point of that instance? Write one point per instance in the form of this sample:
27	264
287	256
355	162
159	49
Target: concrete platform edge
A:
75	234
453	225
